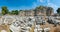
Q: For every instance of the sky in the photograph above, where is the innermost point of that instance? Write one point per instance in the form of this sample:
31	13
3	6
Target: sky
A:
29	4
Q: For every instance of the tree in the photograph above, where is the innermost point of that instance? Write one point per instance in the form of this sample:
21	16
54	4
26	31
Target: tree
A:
58	11
15	12
4	10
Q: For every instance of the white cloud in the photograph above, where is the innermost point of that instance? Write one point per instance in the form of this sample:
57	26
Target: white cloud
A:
53	6
40	1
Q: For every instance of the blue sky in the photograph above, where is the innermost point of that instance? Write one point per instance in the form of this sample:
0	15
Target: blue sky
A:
29	4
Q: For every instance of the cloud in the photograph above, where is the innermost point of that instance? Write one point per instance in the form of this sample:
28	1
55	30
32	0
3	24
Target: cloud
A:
40	1
53	6
49	3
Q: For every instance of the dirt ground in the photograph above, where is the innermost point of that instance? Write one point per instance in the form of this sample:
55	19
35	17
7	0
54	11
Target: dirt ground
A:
4	27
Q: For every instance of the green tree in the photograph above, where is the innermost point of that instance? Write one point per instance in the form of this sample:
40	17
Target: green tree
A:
15	12
58	11
4	10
